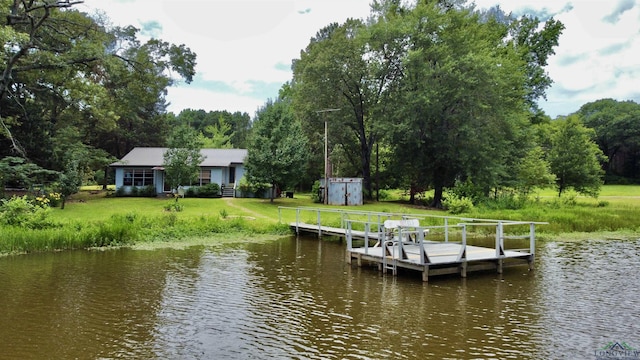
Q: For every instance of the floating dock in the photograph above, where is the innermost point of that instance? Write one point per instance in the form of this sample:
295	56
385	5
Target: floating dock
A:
423	243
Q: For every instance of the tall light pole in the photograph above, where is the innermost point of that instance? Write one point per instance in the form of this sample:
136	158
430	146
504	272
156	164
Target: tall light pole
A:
326	154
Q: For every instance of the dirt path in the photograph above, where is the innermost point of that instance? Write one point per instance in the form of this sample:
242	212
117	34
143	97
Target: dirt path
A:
233	204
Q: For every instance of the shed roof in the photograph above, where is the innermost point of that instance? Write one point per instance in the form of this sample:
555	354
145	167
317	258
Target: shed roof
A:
154	156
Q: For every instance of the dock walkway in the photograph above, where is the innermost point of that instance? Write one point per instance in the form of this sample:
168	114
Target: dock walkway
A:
375	238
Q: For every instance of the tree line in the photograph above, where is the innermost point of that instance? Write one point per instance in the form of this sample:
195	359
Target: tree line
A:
437	95
427	95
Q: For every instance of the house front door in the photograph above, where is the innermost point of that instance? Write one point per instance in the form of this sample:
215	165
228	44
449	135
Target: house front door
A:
232	175
166	186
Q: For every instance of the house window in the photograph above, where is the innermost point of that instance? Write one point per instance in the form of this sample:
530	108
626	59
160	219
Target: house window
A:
138	177
205	177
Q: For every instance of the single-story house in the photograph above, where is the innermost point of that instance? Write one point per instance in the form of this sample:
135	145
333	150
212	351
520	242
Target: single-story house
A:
142	166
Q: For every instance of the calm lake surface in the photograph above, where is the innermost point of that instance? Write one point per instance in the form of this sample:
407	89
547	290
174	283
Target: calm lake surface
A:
298	299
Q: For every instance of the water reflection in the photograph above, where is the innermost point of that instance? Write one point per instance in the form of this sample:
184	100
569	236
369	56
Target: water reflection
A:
590	297
81	304
297	298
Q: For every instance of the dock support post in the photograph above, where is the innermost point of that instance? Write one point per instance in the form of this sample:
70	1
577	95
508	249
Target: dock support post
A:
530	262
463	269
446	230
499	246
425	273
349	236
532	238
366	236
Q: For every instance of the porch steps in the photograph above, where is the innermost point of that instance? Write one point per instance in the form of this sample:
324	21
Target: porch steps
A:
228	192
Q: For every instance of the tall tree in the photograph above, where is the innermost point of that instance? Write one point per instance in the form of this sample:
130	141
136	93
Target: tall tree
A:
217	136
46	45
64	69
535	42
533	171
137	75
449	89
460	100
339	70
575	157
222	125
278	151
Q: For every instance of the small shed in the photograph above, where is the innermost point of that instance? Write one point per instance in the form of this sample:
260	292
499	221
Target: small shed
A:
345	191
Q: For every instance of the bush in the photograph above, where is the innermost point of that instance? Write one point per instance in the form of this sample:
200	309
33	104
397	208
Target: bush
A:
173	206
118	230
192	191
55	199
505	200
148	191
209	191
456	204
467	189
384	194
133	191
250	189
316	196
19	211
120	192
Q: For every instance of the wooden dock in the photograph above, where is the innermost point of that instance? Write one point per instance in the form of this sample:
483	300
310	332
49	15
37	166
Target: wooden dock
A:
405	244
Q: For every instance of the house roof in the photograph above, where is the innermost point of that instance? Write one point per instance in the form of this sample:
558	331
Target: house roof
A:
154	156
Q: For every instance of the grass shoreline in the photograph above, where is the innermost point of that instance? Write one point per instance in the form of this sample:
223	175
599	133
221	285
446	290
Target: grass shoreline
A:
91	220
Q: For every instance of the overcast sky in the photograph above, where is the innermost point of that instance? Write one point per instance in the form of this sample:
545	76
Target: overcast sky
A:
245	47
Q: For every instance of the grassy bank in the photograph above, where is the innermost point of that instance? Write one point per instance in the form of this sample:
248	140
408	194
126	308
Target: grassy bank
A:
92	220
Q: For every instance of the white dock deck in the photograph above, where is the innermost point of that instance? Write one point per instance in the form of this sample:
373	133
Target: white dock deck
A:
419	252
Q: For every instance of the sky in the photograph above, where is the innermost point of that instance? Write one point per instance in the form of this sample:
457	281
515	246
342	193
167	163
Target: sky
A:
245	47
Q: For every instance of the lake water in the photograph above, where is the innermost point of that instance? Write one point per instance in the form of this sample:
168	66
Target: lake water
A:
298	299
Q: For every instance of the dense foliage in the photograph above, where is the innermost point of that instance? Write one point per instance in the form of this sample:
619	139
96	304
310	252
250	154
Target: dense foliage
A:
448	89
617	131
278	148
71	81
423	96
182	159
217	129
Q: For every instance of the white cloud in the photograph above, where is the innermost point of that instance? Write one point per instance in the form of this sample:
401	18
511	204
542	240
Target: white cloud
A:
238	42
597	53
241	42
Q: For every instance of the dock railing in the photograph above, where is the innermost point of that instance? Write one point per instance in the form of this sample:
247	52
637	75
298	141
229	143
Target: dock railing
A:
419	236
440	228
337	217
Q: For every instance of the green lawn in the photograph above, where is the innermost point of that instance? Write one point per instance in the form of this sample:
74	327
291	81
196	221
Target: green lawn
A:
91	219
616	209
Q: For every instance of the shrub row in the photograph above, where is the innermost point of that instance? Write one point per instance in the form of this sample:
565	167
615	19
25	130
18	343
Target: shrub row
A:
205	191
